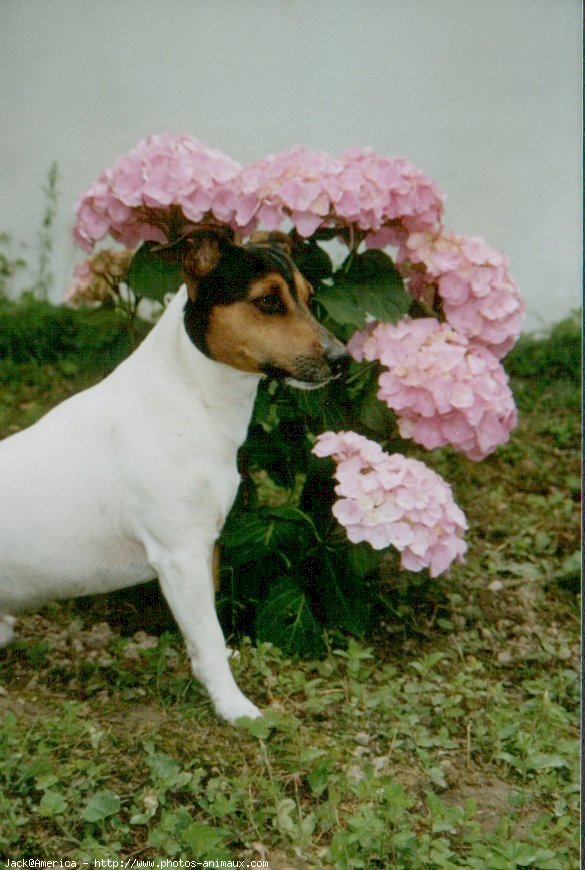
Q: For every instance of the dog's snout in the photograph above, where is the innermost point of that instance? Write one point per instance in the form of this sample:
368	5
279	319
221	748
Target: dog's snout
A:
338	358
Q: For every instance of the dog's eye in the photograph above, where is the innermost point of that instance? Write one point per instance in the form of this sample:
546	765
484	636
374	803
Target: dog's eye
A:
270	304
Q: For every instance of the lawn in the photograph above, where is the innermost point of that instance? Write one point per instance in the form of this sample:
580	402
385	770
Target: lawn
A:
447	738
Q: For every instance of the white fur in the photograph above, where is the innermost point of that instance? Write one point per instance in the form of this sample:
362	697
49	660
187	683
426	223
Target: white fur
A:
129	480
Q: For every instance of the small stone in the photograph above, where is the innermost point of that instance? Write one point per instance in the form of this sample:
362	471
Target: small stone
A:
380	763
360	751
355	773
142	640
99	636
496	586
150	800
362	738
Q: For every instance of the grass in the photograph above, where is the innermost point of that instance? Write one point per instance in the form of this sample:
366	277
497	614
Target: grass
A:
448	739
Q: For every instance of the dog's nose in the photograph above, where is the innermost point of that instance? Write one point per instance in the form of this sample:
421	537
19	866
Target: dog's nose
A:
339	359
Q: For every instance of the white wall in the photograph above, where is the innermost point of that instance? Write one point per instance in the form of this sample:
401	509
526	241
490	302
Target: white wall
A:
484	95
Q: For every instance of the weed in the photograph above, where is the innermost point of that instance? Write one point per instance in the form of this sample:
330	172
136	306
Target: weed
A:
44	278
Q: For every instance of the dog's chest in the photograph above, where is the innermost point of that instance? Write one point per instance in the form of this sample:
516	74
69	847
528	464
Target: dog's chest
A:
205	483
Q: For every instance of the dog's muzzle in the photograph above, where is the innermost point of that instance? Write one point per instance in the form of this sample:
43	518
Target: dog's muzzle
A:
339	360
310	373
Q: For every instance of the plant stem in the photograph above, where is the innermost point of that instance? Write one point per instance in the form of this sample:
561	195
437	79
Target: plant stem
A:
44	276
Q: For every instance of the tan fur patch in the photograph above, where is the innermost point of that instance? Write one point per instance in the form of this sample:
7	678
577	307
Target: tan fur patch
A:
272	239
246	338
271	283
202	257
304	289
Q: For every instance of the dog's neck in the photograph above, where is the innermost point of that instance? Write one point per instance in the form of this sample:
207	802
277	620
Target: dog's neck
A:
199	384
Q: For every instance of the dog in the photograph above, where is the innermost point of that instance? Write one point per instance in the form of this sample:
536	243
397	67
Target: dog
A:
134	477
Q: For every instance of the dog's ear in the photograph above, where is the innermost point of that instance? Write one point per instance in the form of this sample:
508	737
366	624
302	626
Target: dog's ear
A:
273	239
202	255
198	252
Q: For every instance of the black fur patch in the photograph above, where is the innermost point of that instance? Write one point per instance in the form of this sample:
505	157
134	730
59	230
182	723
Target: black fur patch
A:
229	282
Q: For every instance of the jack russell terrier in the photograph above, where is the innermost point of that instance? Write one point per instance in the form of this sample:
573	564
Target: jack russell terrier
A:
134	478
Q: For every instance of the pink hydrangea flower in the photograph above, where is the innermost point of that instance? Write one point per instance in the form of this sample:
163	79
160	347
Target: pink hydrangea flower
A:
478	295
298	183
444	389
166	184
387	197
389	500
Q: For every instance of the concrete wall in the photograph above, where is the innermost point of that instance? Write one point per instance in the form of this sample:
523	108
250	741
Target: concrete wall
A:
484	95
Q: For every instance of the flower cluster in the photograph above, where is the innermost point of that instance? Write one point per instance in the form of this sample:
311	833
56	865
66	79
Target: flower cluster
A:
359	188
298	183
387	196
391	500
169	183
478	295
443	389
156	191
97	279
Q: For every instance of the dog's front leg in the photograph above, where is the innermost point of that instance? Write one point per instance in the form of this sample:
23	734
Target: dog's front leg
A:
187	585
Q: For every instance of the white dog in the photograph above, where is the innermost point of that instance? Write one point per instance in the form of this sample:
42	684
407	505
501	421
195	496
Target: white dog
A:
134	477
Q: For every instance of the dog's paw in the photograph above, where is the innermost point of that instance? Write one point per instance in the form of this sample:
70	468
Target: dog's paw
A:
6	629
231	709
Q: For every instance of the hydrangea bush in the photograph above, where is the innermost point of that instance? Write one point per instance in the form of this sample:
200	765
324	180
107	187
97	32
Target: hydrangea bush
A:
427	315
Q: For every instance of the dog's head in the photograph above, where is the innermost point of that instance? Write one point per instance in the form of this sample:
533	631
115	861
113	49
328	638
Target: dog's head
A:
248	307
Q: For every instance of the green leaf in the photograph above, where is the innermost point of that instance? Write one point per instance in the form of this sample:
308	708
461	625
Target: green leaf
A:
163	766
340	301
372	285
541	761
323	409
326	234
378	286
428	663
318	778
271	720
52	804
205	841
167	772
312	261
285	619
252	536
375	415
101	805
569	577
344	601
45	781
364	559
259	728
524	854
149	276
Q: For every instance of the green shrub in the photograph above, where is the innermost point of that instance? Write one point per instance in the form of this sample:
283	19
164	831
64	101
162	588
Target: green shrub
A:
33	330
551	358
